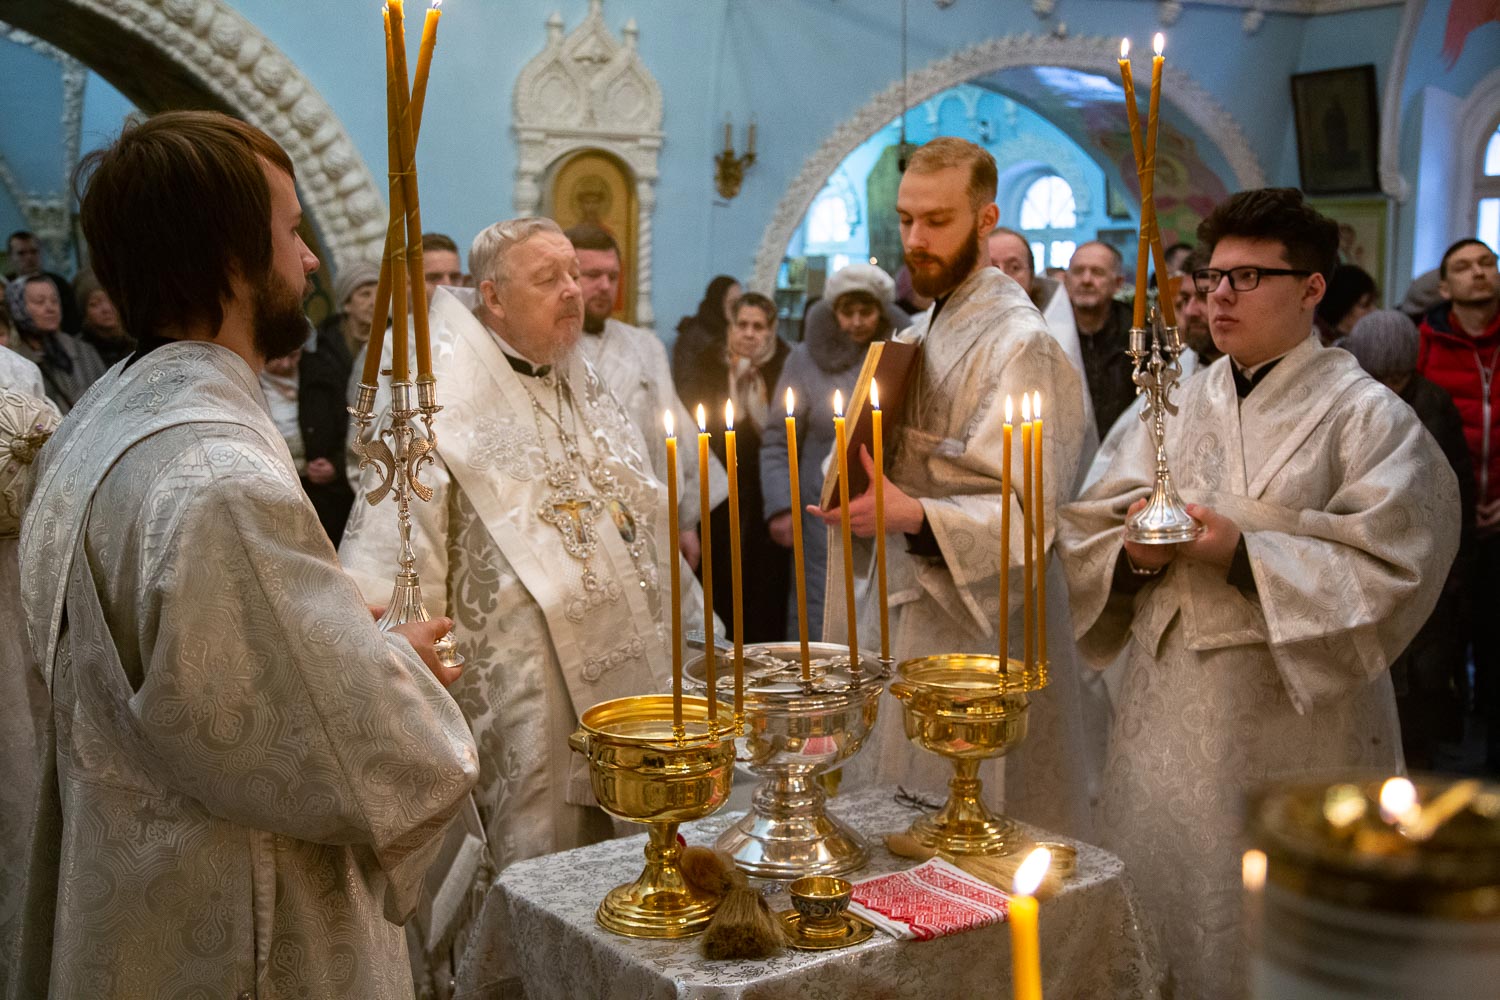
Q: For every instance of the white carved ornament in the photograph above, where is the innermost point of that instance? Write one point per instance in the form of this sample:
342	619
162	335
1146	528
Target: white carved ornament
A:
1094	55
586	90
229	57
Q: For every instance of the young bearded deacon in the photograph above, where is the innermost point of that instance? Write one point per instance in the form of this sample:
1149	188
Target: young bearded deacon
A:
246	779
1259	651
981	341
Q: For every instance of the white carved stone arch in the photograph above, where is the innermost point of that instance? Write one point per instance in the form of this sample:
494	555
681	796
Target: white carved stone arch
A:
1094	55
587	91
218	58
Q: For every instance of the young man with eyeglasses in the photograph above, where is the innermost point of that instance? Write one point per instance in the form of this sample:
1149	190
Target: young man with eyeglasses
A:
1261	649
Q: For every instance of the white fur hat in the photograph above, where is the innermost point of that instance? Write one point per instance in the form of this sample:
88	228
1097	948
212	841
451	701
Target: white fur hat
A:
865	278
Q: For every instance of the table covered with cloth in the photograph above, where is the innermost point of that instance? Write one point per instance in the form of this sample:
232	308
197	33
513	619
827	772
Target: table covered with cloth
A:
536	936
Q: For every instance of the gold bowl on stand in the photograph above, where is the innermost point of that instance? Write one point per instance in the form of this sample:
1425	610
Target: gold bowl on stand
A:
965	708
642	774
796	730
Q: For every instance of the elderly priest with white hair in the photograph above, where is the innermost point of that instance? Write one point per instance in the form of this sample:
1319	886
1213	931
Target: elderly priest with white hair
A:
546	540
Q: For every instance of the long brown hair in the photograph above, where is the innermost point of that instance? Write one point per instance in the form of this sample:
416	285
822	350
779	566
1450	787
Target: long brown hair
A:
176	207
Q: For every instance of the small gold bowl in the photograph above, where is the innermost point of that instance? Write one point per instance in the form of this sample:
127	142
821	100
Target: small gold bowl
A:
1064	858
820	902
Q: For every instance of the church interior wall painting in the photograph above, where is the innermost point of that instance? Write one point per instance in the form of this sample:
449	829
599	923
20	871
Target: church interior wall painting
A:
1362	234
1337	130
597	187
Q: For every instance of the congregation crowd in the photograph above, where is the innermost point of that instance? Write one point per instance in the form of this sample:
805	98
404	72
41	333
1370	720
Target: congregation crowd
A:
1365	580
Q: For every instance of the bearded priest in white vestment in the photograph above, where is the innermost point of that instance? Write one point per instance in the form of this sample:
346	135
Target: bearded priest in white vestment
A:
1259	651
982	340
633	363
249	779
546	540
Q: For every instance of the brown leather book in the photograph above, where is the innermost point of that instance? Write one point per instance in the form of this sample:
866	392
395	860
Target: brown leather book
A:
891	364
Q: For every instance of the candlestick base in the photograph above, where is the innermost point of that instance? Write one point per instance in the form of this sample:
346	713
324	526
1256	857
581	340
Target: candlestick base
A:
965	708
796	730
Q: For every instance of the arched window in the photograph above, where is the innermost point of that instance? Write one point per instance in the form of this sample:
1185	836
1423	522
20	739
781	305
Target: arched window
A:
1048	214
1487	191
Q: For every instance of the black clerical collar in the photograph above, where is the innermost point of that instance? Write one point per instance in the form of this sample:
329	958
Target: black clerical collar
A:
937	307
523	367
1246	379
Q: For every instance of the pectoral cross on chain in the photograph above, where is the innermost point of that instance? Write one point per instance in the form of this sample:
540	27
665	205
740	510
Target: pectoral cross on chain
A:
573	515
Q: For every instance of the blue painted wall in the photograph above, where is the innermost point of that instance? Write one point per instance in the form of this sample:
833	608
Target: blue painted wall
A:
802	66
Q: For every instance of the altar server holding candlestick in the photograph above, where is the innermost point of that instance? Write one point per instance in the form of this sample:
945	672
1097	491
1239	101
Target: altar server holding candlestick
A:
944	496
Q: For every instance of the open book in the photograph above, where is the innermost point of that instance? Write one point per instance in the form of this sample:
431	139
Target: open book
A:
891	364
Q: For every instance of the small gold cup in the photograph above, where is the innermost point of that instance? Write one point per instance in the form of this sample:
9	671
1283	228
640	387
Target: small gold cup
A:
820	902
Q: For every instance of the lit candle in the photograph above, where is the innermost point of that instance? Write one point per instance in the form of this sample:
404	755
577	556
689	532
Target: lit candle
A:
1022	915
1005	545
709	666
1153	120
1398	802
731	460
424	64
1133	116
842	449
395	226
878	440
795	475
1026	596
1253	876
406	144
1041	533
675	559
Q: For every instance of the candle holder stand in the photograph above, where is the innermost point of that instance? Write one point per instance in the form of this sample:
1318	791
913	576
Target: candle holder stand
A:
965	708
794	731
642	773
398	452
1164	520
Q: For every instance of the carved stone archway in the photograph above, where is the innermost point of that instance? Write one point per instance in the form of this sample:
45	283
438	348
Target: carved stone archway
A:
1093	55
586	90
202	54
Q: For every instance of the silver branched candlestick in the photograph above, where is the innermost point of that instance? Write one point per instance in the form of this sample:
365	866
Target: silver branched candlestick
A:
1164	520
400	462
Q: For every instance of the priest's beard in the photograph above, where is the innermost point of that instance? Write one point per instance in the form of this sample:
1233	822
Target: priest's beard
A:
278	325
950	272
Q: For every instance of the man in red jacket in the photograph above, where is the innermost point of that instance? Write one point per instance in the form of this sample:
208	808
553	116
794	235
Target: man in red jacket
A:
1460	351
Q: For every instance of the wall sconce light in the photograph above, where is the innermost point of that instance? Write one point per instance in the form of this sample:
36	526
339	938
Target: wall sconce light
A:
729	169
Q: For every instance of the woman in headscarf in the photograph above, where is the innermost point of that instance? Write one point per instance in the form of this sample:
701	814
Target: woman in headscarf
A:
102	329
745	369
700	337
69	366
855	312
1431	676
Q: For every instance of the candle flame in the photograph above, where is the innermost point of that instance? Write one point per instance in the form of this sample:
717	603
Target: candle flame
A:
838	403
1025	407
1029	876
1008	409
729	414
1398	801
702	419
1124	48
1253	870
874	394
790	402
1158	42
668	423
1036	404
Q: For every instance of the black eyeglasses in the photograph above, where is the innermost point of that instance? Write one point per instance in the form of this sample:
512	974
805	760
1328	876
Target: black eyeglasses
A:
1241	279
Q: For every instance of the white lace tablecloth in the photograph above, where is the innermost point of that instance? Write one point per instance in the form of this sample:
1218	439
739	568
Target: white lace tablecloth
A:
536	936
